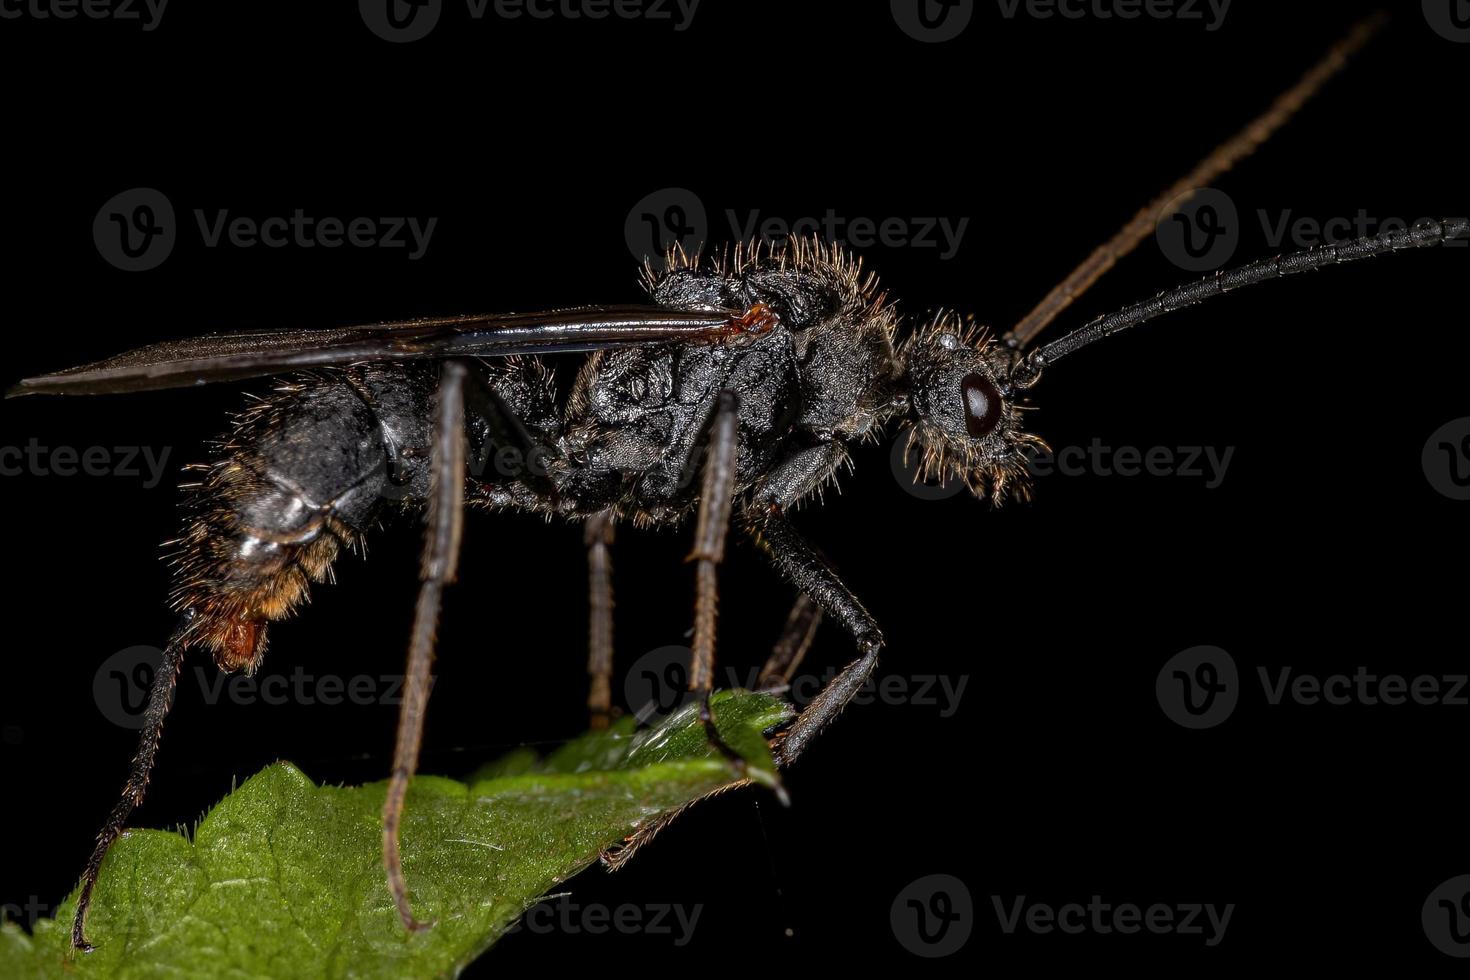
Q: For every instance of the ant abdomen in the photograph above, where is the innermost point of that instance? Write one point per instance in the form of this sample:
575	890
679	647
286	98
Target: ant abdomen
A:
299	477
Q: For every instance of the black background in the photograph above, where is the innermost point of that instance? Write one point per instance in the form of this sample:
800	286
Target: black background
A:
1059	777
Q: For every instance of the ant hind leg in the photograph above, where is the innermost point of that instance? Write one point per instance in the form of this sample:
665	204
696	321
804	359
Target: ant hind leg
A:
438	568
160	700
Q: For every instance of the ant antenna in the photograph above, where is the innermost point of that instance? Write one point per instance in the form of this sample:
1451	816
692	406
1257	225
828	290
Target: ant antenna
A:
1425	234
1225	156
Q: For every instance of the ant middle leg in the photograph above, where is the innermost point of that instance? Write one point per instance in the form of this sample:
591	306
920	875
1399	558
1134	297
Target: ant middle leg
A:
786	654
791	648
597	533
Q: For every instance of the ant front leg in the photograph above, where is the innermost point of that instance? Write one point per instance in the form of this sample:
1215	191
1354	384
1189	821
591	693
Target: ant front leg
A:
786	654
801	565
437	569
597	533
715	499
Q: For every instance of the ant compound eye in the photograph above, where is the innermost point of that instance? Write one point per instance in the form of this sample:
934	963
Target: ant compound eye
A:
982	405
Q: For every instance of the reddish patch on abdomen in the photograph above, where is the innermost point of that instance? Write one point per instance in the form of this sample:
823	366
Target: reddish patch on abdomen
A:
239	645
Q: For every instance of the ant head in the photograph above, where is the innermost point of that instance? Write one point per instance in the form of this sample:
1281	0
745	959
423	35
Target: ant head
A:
964	413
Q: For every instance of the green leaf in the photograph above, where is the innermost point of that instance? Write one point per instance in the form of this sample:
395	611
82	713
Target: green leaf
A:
283	877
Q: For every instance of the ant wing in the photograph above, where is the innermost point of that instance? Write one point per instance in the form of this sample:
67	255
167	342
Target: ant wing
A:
258	353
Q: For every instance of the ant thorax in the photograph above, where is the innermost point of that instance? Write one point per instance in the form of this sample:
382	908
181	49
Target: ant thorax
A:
637	418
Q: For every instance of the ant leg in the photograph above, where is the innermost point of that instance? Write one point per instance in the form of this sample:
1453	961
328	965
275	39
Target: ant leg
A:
796	638
828	704
160	700
799	562
715	499
598	535
437	569
790	649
